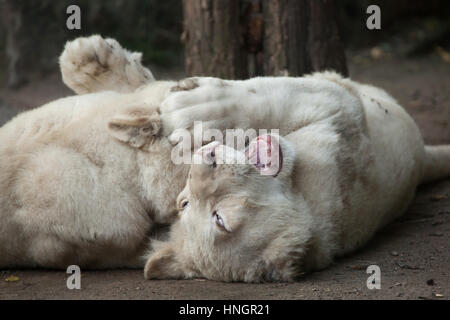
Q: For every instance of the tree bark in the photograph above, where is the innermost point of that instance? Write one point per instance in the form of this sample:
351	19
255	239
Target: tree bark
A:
285	37
302	36
326	50
12	22
253	20
212	36
241	38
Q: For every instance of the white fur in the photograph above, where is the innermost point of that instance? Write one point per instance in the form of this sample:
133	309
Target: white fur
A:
75	190
84	178
352	161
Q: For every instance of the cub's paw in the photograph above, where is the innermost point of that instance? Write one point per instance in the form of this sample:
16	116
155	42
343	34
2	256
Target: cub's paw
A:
202	82
194	91
185	85
95	64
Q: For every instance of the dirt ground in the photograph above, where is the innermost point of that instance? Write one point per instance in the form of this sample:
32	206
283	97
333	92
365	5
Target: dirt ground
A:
412	253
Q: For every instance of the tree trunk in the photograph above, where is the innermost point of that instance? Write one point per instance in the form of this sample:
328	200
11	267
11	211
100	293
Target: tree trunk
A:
212	35
240	38
302	36
12	22
285	37
326	50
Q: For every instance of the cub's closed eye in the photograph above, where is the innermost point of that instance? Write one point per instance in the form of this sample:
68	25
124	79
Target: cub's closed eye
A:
219	221
183	204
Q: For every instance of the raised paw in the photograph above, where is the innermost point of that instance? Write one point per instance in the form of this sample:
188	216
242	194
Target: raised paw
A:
95	64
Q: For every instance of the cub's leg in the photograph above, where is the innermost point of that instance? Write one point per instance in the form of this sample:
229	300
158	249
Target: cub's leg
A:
280	103
95	64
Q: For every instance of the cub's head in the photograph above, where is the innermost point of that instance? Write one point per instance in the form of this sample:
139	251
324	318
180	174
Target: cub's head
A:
237	218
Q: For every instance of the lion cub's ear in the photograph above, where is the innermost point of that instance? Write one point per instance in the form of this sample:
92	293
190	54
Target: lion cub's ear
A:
136	126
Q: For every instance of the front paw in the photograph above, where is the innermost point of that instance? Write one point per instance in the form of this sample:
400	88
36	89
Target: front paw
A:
195	91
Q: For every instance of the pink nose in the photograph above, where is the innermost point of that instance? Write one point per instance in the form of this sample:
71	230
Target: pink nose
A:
265	154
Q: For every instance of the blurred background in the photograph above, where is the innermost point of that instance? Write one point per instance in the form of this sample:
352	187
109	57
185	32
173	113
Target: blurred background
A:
409	56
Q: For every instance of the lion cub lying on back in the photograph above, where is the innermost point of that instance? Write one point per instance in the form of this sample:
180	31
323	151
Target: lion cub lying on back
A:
349	163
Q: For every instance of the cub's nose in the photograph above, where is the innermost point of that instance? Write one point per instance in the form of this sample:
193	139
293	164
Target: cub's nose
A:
207	153
201	176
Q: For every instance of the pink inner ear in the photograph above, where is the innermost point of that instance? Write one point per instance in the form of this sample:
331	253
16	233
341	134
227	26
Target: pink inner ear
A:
265	154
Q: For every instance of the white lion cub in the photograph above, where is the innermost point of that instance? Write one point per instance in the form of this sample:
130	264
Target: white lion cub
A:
84	179
348	163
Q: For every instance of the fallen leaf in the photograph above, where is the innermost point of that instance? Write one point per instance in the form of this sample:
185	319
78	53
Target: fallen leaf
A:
12	278
376	53
406	266
445	55
438	197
